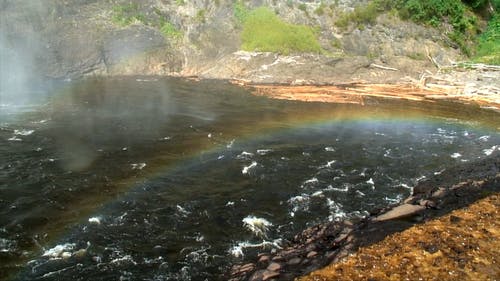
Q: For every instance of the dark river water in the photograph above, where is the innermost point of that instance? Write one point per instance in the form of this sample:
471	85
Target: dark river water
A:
168	179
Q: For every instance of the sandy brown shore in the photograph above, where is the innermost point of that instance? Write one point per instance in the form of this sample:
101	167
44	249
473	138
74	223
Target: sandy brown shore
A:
463	245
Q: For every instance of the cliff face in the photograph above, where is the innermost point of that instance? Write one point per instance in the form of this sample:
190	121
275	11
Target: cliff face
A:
73	38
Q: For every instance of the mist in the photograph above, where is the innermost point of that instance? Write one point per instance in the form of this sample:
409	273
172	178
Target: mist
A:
20	46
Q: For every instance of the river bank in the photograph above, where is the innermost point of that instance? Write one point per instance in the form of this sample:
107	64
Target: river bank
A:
431	203
479	87
333	242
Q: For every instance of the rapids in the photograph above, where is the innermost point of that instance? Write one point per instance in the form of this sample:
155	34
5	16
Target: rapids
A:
171	179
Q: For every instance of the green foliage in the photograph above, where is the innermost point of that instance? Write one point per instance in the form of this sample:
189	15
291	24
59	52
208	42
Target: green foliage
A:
488	50
240	11
169	30
303	7
481	4
321	9
266	32
200	15
362	14
454	13
180	2
124	15
437	13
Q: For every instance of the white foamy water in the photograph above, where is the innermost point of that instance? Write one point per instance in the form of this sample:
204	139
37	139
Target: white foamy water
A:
259	226
329	149
182	211
23	132
456	155
124	259
230	144
138	166
490	151
345	188
95	220
43	121
238	249
328	164
299	203
371	182
263	151
336	212
247	168
14	138
60	251
244	155
309	182
484	138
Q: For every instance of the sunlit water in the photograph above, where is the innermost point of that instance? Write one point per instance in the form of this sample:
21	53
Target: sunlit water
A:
164	179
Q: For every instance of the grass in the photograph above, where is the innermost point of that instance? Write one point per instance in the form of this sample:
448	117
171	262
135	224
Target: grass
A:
488	49
124	15
200	16
321	9
169	30
366	14
264	31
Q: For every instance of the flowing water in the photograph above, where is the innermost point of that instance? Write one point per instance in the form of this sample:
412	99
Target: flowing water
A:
149	178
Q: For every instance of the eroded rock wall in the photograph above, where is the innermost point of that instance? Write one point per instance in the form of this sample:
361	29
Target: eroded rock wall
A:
73	38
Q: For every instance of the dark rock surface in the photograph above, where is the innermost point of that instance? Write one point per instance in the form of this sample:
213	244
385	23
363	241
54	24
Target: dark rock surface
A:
72	38
327	243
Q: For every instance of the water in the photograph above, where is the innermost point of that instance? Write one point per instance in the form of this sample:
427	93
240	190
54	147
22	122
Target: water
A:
168	179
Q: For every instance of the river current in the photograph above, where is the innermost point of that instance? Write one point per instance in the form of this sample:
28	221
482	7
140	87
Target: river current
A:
146	178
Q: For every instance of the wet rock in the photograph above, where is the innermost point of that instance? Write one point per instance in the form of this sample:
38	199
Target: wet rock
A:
294	261
440	193
274	266
311	254
348	223
247	267
428	203
423	188
277	258
264	259
267	274
400	211
257	276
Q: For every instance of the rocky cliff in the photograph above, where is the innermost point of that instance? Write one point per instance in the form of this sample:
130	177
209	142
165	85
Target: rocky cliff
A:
74	38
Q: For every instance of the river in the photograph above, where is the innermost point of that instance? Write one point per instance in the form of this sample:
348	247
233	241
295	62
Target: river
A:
149	178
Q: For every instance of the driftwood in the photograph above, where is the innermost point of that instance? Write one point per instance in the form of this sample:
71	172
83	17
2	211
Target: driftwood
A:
383	67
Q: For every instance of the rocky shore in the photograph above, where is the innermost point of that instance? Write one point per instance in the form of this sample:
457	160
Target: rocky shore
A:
331	242
479	86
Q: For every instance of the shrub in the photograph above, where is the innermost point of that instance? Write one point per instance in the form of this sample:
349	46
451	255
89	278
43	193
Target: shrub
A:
169	30
240	11
361	15
488	50
266	32
124	15
320	10
430	12
200	16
